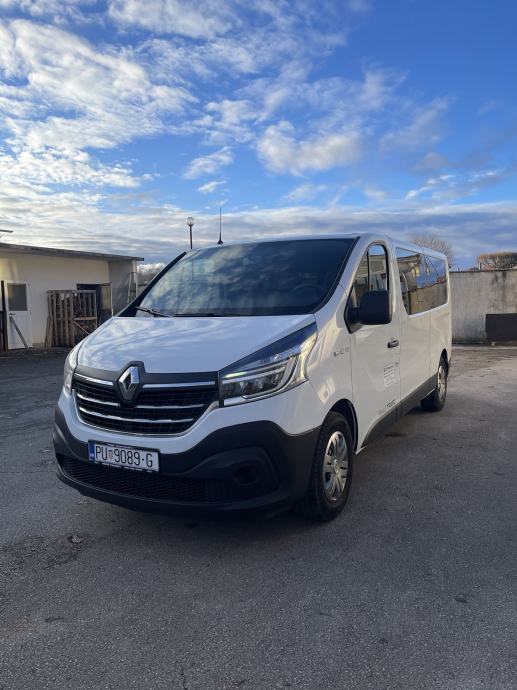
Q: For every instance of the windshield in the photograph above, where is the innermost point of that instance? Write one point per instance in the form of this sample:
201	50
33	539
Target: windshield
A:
262	279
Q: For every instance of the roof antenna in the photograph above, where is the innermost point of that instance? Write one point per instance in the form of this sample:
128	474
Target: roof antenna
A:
220	240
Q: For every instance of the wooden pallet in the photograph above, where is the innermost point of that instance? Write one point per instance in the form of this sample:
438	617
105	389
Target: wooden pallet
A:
72	316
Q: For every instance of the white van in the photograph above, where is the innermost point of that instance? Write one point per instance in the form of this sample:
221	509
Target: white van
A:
248	376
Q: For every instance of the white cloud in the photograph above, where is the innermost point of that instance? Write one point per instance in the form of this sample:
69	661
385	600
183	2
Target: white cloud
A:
281	152
431	185
305	192
228	120
69	97
65	101
104	98
488	106
57	10
216	39
433	160
159	232
377	88
375	194
69	168
426	127
200	19
360	6
210	187
209	164
451	187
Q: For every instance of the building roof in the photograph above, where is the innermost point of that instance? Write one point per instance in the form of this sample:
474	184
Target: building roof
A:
53	251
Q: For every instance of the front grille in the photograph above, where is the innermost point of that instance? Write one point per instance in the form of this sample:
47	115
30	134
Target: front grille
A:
153	485
156	411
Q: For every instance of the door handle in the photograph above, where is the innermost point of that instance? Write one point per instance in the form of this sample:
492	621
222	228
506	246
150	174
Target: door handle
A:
393	342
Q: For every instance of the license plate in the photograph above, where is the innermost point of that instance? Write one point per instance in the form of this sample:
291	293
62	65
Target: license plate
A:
127	457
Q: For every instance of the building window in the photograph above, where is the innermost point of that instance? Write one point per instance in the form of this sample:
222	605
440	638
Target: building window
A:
17	296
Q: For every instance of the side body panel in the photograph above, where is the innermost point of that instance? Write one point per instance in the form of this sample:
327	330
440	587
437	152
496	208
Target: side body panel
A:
375	371
414	351
440	332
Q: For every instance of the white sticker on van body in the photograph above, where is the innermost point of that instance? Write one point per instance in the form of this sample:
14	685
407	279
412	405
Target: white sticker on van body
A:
389	374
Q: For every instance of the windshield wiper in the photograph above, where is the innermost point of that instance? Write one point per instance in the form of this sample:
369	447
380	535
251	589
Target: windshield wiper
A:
153	312
192	313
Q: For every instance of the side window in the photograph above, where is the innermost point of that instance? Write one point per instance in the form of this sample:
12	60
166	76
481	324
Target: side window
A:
437	281
378	265
372	274
414	281
361	283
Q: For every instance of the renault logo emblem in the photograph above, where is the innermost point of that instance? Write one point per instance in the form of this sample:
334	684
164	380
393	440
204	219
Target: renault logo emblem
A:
128	383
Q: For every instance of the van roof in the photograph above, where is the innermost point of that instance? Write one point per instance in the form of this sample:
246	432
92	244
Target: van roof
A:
365	237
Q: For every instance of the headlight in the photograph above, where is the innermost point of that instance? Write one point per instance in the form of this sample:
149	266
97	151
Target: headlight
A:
275	368
70	365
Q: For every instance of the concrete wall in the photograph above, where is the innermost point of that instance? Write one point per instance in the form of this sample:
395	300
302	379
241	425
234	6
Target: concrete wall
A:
44	273
120	272
477	293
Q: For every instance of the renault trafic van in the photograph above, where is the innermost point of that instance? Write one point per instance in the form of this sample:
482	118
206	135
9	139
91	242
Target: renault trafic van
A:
247	376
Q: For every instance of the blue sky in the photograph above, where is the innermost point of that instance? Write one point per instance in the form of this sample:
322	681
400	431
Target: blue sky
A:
121	118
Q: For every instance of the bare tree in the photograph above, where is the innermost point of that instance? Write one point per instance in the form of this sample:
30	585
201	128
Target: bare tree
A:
432	241
494	261
146	272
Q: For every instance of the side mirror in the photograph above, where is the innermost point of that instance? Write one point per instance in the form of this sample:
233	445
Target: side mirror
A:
375	308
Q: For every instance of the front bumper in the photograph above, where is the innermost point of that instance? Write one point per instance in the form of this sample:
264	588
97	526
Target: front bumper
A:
254	466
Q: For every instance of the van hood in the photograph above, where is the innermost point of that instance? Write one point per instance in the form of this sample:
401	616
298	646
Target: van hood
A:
183	344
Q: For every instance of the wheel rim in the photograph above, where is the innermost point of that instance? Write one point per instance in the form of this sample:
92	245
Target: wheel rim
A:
442	382
335	466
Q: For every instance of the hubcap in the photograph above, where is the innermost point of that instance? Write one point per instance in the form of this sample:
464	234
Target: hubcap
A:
442	382
335	466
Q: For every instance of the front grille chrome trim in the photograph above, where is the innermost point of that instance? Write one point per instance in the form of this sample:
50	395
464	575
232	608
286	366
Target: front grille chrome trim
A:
108	403
192	384
96	401
140	420
159	409
168	407
90	423
90	379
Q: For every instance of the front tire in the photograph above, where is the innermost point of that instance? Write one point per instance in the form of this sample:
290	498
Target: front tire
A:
331	473
435	401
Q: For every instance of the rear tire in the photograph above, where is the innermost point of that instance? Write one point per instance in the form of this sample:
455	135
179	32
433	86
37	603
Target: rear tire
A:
331	473
435	401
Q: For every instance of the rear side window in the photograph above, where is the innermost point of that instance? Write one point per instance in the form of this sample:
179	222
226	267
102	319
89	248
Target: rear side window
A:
423	281
437	281
413	281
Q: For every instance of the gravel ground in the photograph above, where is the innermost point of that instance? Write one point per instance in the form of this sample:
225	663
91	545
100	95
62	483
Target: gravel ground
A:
413	586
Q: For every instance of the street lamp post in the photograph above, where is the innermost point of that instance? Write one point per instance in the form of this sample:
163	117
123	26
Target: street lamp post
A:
220	241
190	223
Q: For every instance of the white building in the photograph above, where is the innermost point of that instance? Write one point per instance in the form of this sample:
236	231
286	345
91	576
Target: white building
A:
27	274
